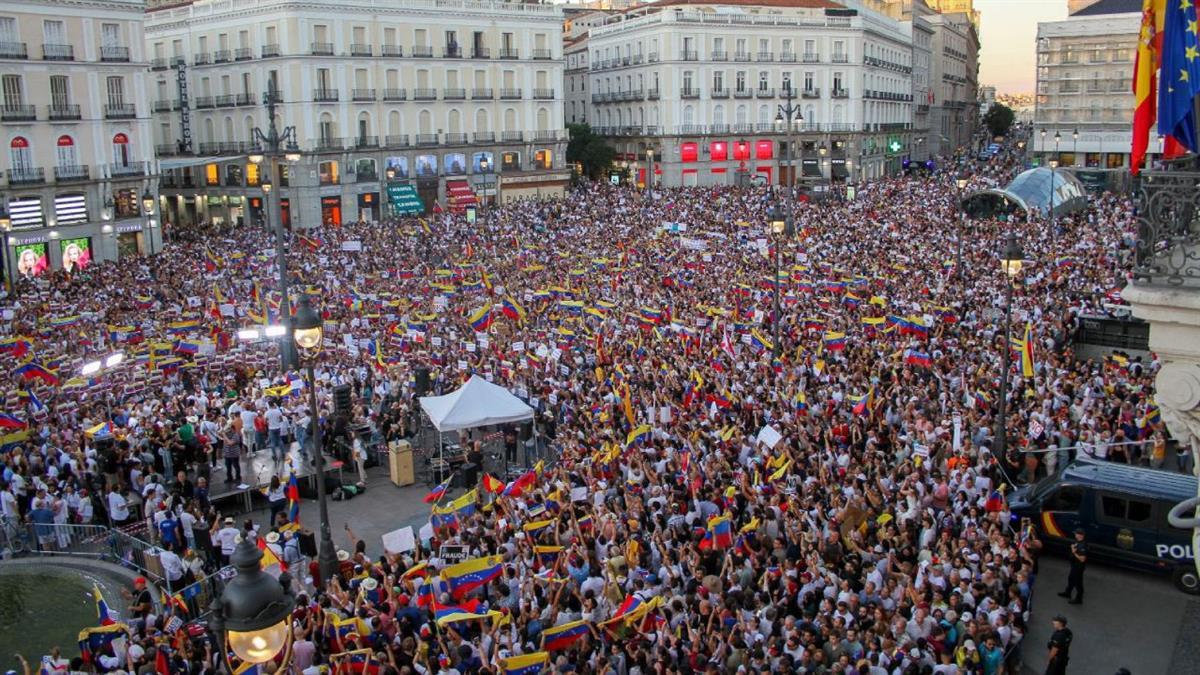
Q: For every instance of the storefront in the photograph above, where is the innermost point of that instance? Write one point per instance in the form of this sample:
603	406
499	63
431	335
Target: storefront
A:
130	240
539	185
331	210
368	206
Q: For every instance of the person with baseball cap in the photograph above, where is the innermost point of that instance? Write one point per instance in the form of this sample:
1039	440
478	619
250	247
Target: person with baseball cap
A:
1059	646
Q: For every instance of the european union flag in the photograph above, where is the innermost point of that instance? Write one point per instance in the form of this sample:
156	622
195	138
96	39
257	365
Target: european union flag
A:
1179	78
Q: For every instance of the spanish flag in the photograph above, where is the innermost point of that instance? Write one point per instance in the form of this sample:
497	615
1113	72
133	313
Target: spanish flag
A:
1145	74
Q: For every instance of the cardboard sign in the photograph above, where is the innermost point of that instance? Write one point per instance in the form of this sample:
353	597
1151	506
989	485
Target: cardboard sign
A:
400	541
453	553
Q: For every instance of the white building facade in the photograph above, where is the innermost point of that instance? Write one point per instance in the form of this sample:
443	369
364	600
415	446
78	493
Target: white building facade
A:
1085	89
440	95
701	87
77	133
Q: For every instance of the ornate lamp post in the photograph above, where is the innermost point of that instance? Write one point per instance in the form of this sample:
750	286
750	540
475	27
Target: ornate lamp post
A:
253	614
307	331
781	227
1011	260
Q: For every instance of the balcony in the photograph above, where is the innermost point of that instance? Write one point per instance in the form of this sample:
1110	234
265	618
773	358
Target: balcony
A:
718	93
395	94
689	92
510	53
652	57
637	59
120	111
362	142
360	50
362	94
625	60
635	95
512	136
114	54
61	53
222	56
329	144
542	54
427	139
484	94
454	94
765	92
687	55
510	94
811	93
481	53
63	112
691	129
325	95
764	127
765	56
243	54
718	128
742	128
177	60
425	52
201	59
840	93
424	94
127	169
161	105
840	58
787	57
545	136
741	56
396	140
719	56
484	136
26	176
66	174
165	149
13	50
543	94
269	51
321	49
226	101
452	52
1068	88
810	57
456	139
742	93
157	63
244	99
394	51
653	94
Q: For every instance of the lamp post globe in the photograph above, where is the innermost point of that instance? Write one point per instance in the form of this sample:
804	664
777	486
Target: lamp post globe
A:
306	325
253	614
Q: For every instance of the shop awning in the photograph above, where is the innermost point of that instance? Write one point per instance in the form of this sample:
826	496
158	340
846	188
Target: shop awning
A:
459	194
838	168
404	200
810	167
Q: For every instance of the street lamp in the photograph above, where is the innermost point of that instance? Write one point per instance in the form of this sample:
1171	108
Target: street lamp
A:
650	173
147	214
781	227
787	118
961	182
307	329
1011	260
1075	148
271	146
95	367
1043	135
252	616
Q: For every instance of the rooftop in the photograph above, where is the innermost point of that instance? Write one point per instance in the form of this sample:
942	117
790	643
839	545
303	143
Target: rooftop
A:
1110	7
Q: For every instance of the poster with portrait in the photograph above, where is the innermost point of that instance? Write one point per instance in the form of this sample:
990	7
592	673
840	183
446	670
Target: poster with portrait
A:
398	166
478	161
76	254
427	166
454	163
32	259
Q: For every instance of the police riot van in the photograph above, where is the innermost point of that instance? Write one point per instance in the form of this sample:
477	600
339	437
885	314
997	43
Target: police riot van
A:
1123	511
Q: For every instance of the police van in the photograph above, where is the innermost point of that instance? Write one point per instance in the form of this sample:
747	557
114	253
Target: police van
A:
1123	511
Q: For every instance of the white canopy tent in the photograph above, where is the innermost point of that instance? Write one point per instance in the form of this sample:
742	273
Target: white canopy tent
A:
477	403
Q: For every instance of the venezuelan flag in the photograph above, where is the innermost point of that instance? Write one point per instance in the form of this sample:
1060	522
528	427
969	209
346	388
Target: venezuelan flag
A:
437	493
481	318
31	370
721	529
65	321
548	555
511	309
639	433
293	495
525	664
15	347
535	528
8	421
467	611
800	402
428	592
468	575
186	347
914	357
863	404
105	615
459	508
760	341
92	641
834	341
560	637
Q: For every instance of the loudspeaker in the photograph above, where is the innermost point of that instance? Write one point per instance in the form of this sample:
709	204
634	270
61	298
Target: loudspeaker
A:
308	543
422	381
526	430
341	401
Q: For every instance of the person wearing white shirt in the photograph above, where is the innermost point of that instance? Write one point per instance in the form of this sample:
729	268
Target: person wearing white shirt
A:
172	566
118	508
226	538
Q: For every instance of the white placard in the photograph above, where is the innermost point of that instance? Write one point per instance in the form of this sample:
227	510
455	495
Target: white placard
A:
228	310
352	245
400	541
470	346
518	346
484	342
435	341
426	532
462	365
579	494
769	437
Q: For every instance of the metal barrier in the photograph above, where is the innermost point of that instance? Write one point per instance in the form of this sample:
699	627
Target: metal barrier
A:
94	541
197	598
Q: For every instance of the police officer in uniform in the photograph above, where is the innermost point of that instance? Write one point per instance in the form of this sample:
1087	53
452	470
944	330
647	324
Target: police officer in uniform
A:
1078	562
1059	646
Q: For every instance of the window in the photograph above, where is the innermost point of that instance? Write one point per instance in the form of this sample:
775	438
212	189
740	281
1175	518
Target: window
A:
328	172
451	39
787	81
839	48
763	83
110	35
718	80
20	157
808	81
837	81
212	174
810	47
1117	508
65	151
8	29
687	80
121	150
740	80
53	33
11	85
1068	498
116	91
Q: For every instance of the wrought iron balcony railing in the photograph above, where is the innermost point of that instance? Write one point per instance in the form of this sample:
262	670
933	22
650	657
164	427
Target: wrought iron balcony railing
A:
1168	227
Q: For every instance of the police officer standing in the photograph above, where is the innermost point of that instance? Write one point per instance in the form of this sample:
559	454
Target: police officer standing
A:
1078	562
1059	646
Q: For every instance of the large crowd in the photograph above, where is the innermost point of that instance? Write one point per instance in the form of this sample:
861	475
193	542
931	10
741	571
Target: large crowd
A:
706	506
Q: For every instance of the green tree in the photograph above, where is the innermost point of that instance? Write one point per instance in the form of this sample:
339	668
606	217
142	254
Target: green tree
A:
589	150
998	119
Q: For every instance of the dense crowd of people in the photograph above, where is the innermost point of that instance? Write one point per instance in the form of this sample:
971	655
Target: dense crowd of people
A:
714	502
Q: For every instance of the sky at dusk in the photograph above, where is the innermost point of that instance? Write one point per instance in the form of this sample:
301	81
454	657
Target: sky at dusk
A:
1008	33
